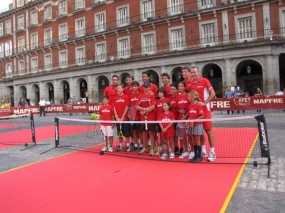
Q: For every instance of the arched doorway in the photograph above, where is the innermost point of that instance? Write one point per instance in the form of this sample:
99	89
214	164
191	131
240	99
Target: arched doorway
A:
103	82
66	92
23	92
83	87
50	92
37	94
214	74
177	75
249	76
123	77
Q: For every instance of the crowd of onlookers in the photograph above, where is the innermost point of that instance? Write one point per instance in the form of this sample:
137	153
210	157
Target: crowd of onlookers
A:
5	104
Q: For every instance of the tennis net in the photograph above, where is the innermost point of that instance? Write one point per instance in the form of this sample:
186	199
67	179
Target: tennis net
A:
236	139
17	130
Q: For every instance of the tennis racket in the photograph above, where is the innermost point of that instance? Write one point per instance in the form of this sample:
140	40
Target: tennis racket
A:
181	130
120	135
144	102
132	112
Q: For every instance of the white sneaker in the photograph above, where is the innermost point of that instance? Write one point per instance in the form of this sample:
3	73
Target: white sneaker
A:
164	156
104	148
212	156
184	155
110	149
204	154
191	155
172	155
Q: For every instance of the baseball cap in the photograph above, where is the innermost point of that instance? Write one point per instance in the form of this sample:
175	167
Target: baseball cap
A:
146	84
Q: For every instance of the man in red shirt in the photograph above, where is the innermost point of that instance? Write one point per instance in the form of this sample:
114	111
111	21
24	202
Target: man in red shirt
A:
128	88
111	91
187	78
206	94
153	87
165	78
121	105
146	107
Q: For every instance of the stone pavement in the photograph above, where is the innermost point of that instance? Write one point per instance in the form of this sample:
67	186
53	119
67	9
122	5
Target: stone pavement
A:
254	193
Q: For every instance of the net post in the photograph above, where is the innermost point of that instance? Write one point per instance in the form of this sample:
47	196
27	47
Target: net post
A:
56	128
33	128
263	139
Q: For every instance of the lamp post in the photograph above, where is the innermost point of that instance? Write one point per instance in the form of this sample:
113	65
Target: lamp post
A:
211	72
248	70
179	75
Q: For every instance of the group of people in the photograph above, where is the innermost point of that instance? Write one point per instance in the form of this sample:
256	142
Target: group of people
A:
188	100
238	93
5	104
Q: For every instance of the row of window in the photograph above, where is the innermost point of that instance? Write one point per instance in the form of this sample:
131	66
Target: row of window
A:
122	14
208	31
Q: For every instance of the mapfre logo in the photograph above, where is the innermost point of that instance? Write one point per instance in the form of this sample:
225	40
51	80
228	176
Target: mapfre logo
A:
242	101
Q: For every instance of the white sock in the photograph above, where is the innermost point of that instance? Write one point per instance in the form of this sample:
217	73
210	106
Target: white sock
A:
121	144
203	148
148	142
128	144
136	145
212	149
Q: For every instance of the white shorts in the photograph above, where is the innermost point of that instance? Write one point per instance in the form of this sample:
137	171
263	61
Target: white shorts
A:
107	130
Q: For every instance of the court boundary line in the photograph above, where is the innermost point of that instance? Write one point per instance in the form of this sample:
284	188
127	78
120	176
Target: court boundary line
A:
235	184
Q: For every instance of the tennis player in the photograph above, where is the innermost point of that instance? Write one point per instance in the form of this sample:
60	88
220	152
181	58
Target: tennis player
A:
146	107
136	133
167	130
195	128
121	105
159	108
181	108
107	114
128	88
165	79
153	87
111	91
187	78
206	94
173	103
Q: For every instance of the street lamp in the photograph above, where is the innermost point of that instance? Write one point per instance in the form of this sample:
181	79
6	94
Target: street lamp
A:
83	84
248	69
179	75
103	82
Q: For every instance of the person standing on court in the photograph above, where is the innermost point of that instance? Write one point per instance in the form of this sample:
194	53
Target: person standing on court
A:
187	78
206	94
111	90
229	94
42	105
128	88
165	79
153	87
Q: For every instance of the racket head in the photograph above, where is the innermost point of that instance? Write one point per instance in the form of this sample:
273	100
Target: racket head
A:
132	112
181	131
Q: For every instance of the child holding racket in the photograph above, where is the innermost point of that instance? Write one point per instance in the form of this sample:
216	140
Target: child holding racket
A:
107	114
181	108
167	130
121	106
195	111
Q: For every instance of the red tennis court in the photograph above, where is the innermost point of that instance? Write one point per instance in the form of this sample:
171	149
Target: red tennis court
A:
88	182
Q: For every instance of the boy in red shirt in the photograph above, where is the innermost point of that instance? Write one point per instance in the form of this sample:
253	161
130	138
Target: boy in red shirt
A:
121	105
107	114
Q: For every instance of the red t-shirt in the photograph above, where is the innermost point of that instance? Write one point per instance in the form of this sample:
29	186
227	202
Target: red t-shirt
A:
188	84
194	111
106	113
153	88
146	100
133	99
167	89
121	102
182	104
158	106
202	86
173	104
111	92
128	90
167	117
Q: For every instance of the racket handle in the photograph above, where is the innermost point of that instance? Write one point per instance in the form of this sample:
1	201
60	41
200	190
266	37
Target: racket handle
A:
146	125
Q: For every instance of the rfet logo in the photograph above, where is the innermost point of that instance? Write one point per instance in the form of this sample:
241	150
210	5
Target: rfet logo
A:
242	101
